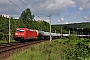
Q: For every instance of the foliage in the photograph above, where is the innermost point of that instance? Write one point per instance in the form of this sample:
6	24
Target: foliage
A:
75	28
4	41
26	15
60	49
79	48
78	51
26	20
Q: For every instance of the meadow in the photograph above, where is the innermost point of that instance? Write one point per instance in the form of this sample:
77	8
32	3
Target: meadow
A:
6	41
71	48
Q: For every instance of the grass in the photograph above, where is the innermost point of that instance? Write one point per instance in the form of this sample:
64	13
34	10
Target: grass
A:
5	41
44	51
54	50
2	42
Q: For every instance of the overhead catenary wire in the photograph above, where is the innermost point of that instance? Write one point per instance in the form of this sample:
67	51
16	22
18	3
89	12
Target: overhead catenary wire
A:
15	5
8	8
24	2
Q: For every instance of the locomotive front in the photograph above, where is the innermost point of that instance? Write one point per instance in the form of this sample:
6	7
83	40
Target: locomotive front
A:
19	34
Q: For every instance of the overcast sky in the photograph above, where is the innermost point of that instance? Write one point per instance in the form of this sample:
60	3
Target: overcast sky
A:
62	11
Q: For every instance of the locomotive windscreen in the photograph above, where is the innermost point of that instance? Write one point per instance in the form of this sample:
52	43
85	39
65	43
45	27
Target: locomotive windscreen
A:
19	30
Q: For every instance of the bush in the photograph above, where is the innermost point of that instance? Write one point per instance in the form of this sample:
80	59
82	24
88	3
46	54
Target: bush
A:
77	52
1	35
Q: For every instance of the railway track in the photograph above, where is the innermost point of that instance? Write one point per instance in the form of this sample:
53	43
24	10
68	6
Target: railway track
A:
6	50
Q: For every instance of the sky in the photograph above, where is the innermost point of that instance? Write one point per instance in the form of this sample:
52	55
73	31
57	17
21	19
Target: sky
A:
61	11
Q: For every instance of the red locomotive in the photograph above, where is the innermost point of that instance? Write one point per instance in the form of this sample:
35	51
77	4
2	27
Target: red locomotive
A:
23	34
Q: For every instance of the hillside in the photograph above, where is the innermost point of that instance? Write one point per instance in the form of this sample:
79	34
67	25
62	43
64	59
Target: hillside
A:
79	25
66	27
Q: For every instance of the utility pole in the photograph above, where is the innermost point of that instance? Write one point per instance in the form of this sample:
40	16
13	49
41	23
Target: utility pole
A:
61	31
69	31
82	32
50	29
50	26
55	31
9	31
60	28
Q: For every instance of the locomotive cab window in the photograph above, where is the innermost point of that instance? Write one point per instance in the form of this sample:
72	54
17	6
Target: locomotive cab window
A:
19	30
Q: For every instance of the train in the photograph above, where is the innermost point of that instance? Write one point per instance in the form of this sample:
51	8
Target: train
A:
25	34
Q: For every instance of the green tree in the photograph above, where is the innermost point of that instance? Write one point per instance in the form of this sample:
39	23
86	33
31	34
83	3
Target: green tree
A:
27	18
3	28
27	15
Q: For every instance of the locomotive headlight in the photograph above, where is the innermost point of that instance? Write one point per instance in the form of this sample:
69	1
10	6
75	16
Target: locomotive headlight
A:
16	33
22	34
